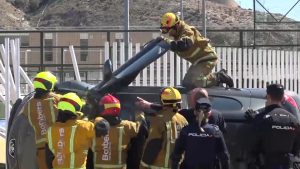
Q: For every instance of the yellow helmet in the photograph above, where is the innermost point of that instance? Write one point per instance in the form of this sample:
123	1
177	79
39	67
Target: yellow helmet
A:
45	81
70	102
170	96
168	20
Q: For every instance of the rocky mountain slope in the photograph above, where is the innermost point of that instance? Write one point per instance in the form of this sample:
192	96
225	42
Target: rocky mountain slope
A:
11	17
143	13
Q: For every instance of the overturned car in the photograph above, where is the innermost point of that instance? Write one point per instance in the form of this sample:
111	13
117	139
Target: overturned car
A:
231	102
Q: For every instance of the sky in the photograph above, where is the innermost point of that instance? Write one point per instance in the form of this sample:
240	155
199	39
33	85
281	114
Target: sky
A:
275	6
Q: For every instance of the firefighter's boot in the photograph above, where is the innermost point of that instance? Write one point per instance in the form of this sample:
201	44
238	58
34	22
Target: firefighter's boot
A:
223	77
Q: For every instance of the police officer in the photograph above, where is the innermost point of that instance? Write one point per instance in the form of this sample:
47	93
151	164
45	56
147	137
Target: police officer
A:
189	44
214	116
276	132
41	111
69	138
110	151
201	143
165	127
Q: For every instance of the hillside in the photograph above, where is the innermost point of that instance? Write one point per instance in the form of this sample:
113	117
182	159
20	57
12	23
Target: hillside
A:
11	17
144	14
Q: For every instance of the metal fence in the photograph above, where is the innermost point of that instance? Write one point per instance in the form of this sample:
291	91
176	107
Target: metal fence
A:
249	68
244	61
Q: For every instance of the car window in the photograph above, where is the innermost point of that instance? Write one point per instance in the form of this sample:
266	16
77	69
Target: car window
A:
225	103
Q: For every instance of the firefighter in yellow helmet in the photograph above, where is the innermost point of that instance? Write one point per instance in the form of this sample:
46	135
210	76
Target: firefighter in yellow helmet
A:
189	44
69	139
111	150
41	111
164	130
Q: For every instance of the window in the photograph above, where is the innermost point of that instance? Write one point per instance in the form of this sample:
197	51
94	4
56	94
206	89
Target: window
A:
48	50
25	41
84	49
225	104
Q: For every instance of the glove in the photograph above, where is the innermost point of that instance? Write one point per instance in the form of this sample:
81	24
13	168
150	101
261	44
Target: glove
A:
167	40
250	114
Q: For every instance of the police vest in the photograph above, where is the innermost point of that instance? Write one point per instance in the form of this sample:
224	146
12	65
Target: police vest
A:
41	114
166	126
200	50
110	151
69	142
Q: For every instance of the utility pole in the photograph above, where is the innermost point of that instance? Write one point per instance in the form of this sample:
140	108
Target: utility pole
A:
203	18
126	33
181	9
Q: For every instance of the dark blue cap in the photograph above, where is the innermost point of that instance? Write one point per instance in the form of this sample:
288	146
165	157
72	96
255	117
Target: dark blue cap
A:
275	89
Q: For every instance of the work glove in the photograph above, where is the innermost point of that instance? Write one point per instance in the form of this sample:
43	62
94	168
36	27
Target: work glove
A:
164	39
250	114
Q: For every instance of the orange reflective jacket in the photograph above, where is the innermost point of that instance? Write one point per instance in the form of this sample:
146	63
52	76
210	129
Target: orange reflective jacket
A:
41	114
69	142
110	151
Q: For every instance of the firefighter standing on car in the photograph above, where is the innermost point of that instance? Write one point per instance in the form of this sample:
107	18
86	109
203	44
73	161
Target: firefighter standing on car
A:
69	138
41	111
189	44
201	143
276	132
110	151
164	130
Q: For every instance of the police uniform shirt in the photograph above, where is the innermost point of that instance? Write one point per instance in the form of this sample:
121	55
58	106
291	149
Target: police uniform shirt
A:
200	148
277	131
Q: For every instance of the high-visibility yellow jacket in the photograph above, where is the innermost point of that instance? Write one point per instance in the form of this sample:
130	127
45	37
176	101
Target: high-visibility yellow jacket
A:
200	49
69	142
41	114
110	151
164	129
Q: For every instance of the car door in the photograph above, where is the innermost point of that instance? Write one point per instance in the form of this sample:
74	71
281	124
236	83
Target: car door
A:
232	103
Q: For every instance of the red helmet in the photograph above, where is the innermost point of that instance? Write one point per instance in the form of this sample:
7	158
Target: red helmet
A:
110	105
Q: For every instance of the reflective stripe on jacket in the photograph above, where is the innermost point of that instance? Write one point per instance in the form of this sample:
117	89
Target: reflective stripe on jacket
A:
110	151
41	114
165	126
69	142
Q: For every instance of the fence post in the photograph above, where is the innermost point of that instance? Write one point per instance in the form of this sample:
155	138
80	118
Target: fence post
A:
241	39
